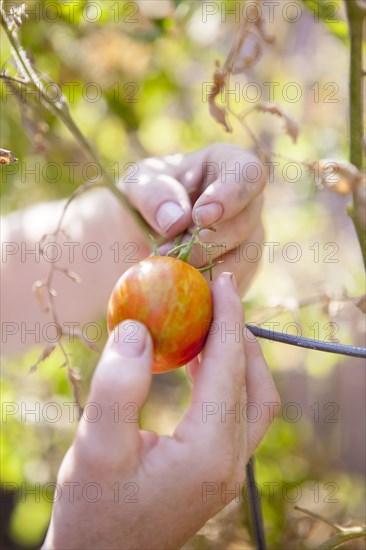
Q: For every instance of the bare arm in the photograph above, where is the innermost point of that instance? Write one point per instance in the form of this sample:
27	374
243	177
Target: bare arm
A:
104	240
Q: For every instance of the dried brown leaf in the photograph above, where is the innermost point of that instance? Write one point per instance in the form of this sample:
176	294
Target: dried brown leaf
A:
39	291
72	275
291	126
339	176
260	24
7	157
45	353
218	113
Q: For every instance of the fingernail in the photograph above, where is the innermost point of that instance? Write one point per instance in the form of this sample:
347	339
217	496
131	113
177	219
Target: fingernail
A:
207	215
129	338
168	214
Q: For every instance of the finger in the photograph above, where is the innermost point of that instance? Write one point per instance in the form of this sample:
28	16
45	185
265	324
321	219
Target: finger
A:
229	235
240	177
161	200
187	169
243	261
263	400
220	377
109	426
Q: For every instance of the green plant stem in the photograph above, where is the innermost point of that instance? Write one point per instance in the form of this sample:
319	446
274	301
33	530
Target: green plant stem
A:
60	110
356	17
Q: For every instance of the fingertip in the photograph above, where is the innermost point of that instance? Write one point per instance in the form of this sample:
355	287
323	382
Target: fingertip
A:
206	215
129	339
226	279
126	361
125	368
161	200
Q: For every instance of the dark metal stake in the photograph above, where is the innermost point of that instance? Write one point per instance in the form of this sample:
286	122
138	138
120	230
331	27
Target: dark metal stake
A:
302	342
255	507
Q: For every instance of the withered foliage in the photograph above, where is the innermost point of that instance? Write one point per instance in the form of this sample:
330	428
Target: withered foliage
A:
7	157
238	61
45	353
339	176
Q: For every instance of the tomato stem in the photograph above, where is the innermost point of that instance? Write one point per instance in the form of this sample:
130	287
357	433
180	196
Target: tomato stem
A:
178	240
155	246
176	249
209	268
186	249
183	251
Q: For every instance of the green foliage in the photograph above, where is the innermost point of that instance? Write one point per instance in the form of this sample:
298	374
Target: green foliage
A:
30	520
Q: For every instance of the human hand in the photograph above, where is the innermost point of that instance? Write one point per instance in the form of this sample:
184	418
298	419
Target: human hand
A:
219	186
149	491
96	224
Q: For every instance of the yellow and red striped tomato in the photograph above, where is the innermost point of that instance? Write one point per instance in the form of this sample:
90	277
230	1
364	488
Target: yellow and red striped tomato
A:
173	300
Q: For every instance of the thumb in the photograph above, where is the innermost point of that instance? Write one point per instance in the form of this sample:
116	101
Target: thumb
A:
161	200
120	386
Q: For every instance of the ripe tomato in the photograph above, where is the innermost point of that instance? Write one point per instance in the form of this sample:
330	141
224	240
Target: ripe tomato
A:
173	300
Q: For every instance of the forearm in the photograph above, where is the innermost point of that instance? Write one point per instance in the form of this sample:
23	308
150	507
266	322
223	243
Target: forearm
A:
103	241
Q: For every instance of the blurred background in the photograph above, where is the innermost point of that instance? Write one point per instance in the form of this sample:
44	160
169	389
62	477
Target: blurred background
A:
136	76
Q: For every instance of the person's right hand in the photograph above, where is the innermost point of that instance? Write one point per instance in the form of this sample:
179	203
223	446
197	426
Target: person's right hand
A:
133	489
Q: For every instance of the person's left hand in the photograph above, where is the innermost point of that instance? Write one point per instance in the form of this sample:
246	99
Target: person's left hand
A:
218	186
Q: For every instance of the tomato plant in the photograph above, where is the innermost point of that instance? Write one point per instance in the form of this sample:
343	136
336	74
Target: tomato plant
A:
173	300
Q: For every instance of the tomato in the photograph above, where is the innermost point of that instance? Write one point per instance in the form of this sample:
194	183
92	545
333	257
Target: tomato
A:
173	300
